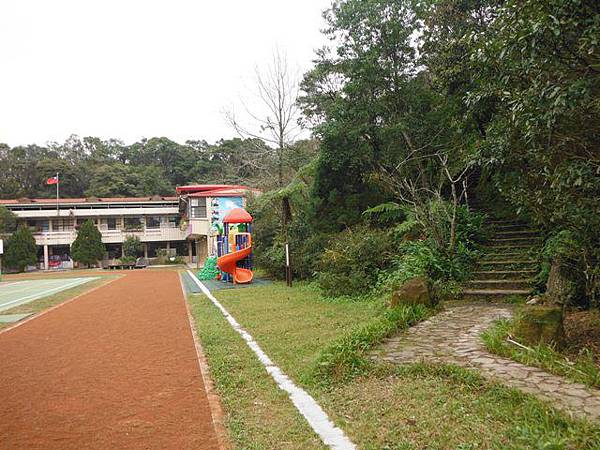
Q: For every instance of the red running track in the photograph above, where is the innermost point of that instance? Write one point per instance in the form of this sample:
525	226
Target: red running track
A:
115	368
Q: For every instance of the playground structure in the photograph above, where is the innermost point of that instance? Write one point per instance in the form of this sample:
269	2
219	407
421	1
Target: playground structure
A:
234	247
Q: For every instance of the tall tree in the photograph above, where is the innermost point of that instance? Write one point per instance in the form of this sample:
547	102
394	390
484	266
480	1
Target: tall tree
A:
8	220
20	250
275	121
87	248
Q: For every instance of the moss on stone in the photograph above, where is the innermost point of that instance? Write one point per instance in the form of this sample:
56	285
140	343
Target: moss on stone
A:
540	325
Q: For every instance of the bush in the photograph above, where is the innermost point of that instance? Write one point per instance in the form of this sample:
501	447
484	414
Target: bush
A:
306	245
165	256
127	260
88	247
132	246
424	257
20	250
352	262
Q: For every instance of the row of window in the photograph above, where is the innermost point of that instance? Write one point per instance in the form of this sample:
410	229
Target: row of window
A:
63	206
106	223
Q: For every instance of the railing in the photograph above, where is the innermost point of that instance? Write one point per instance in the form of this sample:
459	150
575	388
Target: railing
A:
167	233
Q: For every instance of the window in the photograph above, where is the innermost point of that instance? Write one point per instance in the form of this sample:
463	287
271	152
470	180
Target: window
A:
173	221
198	208
133	224
62	225
42	225
111	223
153	222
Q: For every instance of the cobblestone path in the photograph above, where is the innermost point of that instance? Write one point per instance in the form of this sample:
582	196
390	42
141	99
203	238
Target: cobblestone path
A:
453	337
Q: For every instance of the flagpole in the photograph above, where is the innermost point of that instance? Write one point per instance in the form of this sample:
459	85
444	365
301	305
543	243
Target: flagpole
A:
57	183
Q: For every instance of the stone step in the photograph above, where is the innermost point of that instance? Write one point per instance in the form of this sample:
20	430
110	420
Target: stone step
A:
503	274
501	222
511	227
508	264
517	283
514	240
517	233
491	294
504	255
501	248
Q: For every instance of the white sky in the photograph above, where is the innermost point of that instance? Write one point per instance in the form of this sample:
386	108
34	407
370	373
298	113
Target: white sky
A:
140	68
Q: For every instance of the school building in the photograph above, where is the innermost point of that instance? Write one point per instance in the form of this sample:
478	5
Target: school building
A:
185	223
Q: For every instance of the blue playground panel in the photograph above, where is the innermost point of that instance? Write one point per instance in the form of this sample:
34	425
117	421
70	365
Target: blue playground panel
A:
17	293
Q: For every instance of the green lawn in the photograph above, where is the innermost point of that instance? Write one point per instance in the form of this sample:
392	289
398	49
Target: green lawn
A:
388	407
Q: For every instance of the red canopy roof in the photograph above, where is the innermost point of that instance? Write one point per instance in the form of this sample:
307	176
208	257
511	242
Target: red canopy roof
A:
238	215
207	187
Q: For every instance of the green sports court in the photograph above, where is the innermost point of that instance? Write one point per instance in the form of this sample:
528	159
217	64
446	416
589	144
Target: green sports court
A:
15	293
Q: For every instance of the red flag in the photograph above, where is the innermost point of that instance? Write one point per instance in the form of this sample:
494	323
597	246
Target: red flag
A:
53	180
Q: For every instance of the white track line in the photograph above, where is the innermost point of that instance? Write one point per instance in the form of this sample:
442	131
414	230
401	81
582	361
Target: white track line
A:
32	297
214	403
55	307
331	435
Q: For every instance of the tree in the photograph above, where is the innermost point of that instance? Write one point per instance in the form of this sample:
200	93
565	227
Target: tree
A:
277	92
132	246
8	221
88	247
539	62
21	250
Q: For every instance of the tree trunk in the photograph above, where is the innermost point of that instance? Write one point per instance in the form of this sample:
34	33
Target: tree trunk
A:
559	288
453	220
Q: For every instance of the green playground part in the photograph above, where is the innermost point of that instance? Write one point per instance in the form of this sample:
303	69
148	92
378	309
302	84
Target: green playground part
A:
210	270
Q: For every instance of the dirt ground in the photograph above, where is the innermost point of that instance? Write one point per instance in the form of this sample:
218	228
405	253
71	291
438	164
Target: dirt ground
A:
582	328
116	368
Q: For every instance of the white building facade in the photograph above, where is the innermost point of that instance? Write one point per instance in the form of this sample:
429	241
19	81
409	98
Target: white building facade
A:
180	224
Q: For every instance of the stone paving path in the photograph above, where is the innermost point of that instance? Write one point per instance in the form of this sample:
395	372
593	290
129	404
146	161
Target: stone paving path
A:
453	337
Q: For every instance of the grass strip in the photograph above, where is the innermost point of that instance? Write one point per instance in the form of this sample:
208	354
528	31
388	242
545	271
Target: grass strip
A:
258	414
346	357
582	370
430	406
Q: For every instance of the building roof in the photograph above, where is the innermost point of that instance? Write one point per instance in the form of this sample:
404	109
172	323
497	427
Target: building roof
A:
238	215
214	190
192	188
62	201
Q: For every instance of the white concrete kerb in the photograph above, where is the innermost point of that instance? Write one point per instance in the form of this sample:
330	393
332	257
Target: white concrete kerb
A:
331	435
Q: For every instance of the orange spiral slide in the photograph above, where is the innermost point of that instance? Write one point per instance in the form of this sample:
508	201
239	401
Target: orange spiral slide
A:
228	263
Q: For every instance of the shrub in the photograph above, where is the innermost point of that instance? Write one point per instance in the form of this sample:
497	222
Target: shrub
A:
20	250
351	263
164	256
127	260
132	246
88	247
425	257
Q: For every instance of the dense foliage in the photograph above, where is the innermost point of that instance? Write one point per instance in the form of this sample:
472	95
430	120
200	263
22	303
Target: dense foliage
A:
132	247
88	248
8	220
109	168
20	250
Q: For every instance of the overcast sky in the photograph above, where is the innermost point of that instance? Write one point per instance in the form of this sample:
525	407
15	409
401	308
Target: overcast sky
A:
140	68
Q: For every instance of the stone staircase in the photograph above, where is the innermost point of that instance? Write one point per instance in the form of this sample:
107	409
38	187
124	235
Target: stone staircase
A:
508	265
